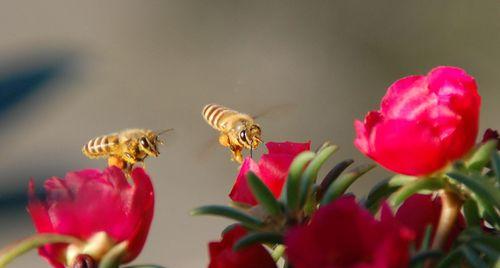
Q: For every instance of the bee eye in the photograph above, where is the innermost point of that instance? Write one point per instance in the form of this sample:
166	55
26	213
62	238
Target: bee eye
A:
243	135
144	142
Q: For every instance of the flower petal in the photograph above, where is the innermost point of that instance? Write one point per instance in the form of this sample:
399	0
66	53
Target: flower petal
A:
222	254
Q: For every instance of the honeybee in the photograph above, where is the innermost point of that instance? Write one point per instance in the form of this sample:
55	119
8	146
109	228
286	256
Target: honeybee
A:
125	148
237	130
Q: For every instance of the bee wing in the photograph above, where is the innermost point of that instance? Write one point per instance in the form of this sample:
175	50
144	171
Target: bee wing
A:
275	110
207	147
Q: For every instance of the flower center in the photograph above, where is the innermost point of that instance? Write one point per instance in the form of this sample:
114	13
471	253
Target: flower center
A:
95	247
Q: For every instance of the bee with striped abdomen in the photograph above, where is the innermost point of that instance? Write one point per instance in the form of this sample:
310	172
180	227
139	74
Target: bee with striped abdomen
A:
125	148
237	130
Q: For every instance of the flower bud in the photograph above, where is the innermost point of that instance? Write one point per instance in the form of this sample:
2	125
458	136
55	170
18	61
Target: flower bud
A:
424	122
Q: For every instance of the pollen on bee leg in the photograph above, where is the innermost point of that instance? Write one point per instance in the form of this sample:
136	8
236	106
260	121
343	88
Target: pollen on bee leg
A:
117	162
237	156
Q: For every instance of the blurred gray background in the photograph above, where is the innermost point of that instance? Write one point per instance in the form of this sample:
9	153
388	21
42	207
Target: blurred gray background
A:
97	67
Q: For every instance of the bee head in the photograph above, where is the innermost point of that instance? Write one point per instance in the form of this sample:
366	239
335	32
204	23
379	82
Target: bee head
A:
251	136
147	144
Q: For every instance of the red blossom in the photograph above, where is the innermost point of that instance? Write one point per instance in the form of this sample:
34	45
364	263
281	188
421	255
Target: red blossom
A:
424	122
90	202
272	169
222	254
419	211
342	234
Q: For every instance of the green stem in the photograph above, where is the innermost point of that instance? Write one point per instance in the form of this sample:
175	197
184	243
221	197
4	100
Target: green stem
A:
11	252
449	214
413	187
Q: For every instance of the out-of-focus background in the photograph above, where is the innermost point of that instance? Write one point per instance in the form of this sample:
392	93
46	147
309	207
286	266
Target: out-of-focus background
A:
72	70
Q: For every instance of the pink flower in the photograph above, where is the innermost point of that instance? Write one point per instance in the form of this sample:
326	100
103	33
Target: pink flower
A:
342	234
101	208
222	254
419	211
424	122
272	169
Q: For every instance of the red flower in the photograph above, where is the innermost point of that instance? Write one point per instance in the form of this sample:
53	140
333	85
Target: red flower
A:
342	234
272	169
101	208
418	211
222	254
424	122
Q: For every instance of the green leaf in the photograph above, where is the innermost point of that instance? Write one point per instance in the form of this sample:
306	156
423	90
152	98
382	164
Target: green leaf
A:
229	212
471	213
113	258
9	253
490	253
480	190
263	194
400	180
422	256
495	165
260	237
482	155
311	172
338	187
230	227
492	242
331	176
379	192
426	241
450	259
294	176
473	257
413	187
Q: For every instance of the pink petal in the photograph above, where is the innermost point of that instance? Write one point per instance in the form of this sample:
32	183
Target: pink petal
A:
406	97
407	148
292	148
240	191
142	209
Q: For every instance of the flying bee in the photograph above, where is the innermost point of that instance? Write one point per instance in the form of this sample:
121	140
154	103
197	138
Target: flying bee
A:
125	148
237	130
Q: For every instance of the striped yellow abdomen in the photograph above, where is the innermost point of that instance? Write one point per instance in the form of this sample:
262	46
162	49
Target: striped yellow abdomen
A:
216	115
100	146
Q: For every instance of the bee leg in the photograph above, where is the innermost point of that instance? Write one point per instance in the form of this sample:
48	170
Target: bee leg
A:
128	169
117	162
224	140
237	156
127	157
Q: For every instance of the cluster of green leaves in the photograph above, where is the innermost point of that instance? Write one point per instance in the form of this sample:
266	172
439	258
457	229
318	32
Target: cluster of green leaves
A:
301	196
478	178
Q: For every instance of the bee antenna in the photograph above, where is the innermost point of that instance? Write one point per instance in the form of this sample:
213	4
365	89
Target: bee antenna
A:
161	132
